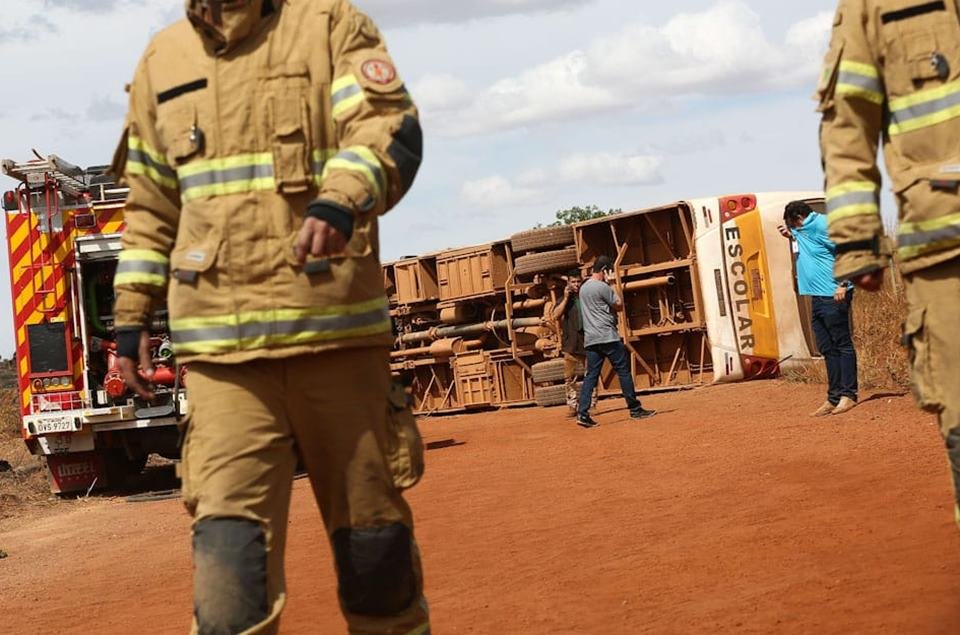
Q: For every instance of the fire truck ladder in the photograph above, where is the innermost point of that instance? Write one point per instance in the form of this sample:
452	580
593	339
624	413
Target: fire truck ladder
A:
52	178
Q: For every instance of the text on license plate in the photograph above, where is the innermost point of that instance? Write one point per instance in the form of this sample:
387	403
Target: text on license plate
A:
55	424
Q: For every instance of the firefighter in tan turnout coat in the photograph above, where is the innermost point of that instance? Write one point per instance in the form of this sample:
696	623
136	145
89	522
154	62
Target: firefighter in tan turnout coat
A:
264	138
893	73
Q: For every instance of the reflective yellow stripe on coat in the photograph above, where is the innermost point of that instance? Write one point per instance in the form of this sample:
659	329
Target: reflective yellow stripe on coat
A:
853	198
924	108
142	266
362	160
238	174
280	327
144	160
345	93
918	239
861	81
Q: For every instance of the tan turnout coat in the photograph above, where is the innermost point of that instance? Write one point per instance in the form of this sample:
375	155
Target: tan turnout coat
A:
892	74
224	150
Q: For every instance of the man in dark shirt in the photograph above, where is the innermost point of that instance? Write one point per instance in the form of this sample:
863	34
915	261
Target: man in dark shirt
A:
571	343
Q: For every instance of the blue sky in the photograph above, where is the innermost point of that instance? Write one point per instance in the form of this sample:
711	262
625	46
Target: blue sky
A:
528	106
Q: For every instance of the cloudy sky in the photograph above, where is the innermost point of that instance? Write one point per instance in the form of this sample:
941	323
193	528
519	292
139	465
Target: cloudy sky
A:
528	106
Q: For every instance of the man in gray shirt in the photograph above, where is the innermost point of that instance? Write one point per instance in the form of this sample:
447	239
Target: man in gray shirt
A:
599	306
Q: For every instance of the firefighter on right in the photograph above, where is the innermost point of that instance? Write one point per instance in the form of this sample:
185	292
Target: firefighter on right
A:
893	73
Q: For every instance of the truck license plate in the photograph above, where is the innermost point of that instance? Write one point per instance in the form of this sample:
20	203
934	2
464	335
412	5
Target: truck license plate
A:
55	424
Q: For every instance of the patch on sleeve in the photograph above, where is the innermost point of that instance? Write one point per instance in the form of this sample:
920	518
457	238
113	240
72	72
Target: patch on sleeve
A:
379	71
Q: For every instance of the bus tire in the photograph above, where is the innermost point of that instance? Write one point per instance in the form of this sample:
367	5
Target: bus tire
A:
546	262
548	396
549	371
543	238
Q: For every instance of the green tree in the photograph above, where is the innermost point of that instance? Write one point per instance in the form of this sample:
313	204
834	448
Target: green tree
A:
578	214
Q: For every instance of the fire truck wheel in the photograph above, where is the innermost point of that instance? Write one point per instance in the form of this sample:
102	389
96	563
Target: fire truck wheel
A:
546	262
548	372
544	238
547	396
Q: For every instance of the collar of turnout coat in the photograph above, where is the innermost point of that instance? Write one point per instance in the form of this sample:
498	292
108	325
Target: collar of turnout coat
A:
234	24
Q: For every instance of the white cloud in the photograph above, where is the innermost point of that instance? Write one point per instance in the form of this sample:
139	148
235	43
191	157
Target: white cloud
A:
103	108
809	38
587	169
408	12
722	51
606	168
497	191
82	5
440	92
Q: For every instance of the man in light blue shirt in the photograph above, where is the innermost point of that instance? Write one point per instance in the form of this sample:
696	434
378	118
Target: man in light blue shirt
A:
831	304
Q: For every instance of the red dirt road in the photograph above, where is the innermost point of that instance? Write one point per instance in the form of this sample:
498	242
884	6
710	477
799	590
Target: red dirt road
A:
731	511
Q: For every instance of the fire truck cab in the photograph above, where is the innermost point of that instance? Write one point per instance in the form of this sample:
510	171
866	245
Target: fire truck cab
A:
63	228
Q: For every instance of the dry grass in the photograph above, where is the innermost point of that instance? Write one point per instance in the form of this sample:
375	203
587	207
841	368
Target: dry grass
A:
877	325
24	484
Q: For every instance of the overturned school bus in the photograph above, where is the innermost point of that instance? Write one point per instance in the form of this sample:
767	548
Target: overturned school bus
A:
708	288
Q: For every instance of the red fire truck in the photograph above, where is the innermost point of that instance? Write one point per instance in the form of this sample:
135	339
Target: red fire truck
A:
63	236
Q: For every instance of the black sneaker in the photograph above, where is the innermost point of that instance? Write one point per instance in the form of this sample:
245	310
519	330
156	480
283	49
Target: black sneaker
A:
584	421
641	413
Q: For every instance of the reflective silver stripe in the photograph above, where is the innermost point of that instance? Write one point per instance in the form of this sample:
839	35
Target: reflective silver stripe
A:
353	157
346	93
215	177
237	333
850	198
139	156
920	239
141	266
871	84
926	108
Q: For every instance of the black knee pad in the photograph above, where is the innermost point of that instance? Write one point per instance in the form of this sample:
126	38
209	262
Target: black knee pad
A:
230	575
375	569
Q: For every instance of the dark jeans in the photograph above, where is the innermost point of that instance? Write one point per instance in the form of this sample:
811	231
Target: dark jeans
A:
831	325
616	352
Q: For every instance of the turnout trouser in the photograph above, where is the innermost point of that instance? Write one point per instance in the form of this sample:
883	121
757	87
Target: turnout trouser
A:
355	435
933	297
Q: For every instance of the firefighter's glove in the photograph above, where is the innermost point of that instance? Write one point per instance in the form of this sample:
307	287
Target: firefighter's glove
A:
326	230
128	344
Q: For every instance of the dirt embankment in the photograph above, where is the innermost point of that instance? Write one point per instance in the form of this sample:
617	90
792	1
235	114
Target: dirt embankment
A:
731	511
23	483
